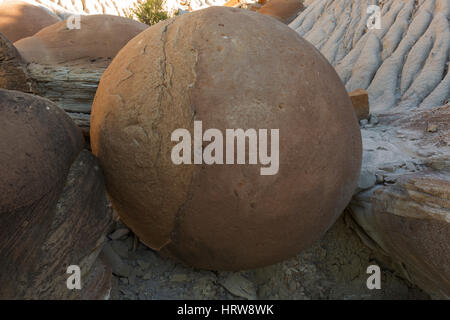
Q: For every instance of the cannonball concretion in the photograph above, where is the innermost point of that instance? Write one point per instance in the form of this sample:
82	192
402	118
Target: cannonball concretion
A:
227	140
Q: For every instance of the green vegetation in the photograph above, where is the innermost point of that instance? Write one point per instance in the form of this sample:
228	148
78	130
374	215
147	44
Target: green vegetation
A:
148	11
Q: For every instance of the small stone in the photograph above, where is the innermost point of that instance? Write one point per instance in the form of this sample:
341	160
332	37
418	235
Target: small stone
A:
139	272
118	267
390	180
147	276
143	264
239	286
432	127
132	277
292	285
363	122
360	101
119	234
179	277
374	119
366	180
120	248
379	178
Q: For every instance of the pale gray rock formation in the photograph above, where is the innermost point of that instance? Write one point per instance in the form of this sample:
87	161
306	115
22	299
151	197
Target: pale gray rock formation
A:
70	87
404	64
402	205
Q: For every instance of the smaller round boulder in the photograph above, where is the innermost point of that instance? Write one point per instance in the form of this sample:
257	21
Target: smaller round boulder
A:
98	38
19	19
282	10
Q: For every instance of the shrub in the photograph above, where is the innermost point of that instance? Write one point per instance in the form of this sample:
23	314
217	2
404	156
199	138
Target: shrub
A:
148	11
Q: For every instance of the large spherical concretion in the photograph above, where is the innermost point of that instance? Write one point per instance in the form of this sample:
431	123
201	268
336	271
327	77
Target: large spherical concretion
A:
19	19
228	68
96	37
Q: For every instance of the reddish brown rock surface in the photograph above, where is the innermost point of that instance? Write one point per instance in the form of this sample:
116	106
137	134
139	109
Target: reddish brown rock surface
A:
225	216
99	39
360	101
53	206
282	10
13	72
19	19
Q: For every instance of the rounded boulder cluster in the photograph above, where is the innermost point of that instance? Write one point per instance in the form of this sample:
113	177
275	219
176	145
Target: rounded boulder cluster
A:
229	69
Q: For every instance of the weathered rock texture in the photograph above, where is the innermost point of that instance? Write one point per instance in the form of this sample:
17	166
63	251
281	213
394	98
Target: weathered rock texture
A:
360	101
402	65
53	205
19	19
99	38
404	211
407	214
65	65
13	71
225	216
282	10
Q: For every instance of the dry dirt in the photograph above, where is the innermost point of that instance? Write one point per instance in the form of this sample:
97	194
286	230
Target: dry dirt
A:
333	268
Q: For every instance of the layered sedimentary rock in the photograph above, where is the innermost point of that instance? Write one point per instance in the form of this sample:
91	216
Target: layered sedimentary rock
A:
53	205
19	19
407	213
66	65
403	205
225	216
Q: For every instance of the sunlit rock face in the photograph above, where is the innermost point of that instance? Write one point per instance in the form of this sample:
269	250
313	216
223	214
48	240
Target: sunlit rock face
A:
98	37
64	8
19	19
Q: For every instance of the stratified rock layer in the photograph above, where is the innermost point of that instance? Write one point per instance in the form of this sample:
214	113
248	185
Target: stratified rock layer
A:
225	216
407	213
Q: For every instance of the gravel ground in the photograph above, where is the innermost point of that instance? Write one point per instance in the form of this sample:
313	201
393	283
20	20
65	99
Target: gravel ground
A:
333	268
